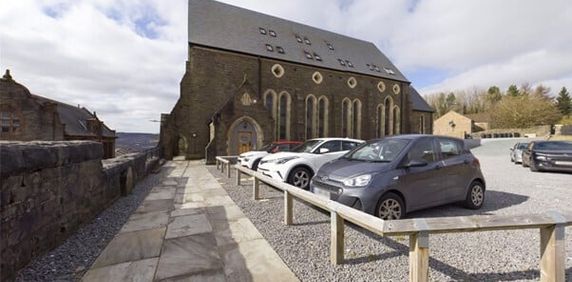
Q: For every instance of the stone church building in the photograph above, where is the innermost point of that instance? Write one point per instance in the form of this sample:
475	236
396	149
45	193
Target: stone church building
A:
28	117
252	79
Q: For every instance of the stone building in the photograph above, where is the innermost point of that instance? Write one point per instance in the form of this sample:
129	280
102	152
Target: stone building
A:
26	117
252	78
453	124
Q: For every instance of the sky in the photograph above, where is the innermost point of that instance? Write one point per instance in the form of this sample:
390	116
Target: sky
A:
124	59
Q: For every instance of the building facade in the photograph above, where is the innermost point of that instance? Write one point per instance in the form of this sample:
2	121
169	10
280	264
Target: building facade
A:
251	79
453	124
28	117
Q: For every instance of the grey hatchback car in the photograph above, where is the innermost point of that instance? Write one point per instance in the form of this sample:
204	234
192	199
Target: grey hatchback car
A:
395	175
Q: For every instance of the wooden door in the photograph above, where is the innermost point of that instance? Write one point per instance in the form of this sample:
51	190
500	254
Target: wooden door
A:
244	141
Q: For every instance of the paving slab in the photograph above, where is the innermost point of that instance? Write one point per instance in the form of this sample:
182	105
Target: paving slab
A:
132	246
142	221
188	225
163	194
155	205
139	270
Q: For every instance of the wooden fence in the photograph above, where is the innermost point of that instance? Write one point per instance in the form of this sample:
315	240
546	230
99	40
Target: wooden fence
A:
550	224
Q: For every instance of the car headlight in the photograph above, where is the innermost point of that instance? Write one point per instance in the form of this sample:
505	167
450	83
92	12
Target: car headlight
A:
284	160
541	158
358	181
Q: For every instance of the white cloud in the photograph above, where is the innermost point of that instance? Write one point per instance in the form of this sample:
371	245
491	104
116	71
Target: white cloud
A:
125	58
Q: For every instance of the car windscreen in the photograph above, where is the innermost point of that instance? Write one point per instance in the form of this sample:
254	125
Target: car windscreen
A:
307	147
554	146
521	146
385	150
268	148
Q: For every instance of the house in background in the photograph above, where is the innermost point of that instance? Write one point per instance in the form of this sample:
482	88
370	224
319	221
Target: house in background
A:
456	125
28	117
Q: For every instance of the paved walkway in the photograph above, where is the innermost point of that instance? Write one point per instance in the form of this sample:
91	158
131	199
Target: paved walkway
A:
188	229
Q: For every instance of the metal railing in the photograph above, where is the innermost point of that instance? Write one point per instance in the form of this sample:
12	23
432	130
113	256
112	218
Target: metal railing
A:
551	226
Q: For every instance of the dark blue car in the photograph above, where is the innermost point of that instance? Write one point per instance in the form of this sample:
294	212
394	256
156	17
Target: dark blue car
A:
395	175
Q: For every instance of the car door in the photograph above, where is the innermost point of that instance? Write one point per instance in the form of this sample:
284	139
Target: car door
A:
334	148
456	169
422	186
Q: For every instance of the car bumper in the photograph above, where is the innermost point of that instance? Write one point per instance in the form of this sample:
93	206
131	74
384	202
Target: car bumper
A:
553	166
273	171
359	198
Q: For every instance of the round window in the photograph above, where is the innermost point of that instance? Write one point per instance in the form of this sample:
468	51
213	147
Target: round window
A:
381	86
396	89
317	77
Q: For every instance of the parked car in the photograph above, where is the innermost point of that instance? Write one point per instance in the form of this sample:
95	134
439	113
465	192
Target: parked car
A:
548	156
393	176
299	166
516	152
252	158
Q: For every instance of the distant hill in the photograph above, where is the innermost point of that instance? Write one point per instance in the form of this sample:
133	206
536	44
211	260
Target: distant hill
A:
134	142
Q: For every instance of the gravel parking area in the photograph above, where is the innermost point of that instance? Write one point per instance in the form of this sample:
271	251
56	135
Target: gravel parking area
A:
70	260
482	256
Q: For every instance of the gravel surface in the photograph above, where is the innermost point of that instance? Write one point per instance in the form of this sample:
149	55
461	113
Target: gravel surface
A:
72	259
482	256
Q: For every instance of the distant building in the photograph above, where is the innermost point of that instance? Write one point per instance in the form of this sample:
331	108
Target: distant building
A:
26	117
252	79
456	125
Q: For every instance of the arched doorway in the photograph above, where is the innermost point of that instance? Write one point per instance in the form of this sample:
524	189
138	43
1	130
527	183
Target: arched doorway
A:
182	146
244	135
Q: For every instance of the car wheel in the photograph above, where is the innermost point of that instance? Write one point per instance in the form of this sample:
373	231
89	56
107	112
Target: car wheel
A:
475	196
300	177
255	164
390	207
533	167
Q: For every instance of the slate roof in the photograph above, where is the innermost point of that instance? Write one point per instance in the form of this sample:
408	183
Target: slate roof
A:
231	28
418	103
74	118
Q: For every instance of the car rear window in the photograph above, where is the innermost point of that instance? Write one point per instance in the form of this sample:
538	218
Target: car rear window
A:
347	145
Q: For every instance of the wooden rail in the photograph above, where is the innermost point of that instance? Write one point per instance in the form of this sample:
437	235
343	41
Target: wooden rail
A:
551	225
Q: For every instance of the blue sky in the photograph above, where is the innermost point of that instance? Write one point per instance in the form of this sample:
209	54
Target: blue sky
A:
124	59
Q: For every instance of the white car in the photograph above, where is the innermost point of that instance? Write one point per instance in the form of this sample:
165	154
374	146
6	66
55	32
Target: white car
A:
252	158
298	167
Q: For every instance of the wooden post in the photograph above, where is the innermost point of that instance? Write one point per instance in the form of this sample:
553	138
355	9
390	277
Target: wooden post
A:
217	164
255	189
337	239
419	257
552	253
288	205
238	174
228	171
221	167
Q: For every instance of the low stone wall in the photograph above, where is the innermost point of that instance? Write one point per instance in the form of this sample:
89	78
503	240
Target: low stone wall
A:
539	131
49	189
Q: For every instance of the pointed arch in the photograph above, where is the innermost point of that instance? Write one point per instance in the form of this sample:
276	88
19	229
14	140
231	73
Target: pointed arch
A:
284	105
388	116
323	116
396	120
271	102
310	129
356	119
379	121
346	117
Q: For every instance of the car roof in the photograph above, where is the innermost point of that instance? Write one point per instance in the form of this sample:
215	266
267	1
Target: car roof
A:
336	139
286	142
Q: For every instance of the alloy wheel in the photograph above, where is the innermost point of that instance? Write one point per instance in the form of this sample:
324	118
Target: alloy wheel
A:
390	209
477	195
301	179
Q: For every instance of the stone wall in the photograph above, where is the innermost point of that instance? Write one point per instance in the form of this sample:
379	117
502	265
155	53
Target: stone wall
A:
539	131
49	189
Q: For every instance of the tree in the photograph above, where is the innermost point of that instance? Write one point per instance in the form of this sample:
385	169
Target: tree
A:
493	95
564	102
524	111
512	91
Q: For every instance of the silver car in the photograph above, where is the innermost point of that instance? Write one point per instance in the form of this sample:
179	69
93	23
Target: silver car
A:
516	152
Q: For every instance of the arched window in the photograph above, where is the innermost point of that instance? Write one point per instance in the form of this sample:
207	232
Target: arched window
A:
310	116
323	117
379	121
270	102
284	116
388	116
356	109
422	124
396	120
346	117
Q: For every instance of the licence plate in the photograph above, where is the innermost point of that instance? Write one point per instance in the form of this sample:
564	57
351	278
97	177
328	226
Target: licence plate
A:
563	163
322	193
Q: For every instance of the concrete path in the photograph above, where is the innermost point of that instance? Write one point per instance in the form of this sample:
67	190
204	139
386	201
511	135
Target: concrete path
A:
188	229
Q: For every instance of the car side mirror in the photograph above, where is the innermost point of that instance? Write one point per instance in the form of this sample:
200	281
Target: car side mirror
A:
415	163
324	150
